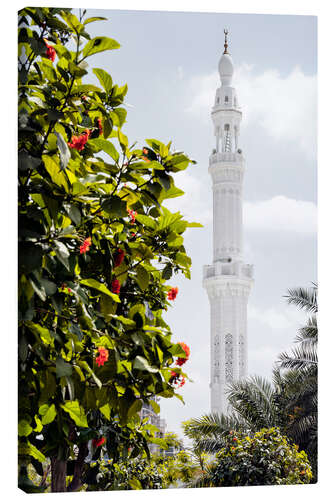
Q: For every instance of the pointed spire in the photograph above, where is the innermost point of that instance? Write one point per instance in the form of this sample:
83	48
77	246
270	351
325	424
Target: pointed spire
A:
225	41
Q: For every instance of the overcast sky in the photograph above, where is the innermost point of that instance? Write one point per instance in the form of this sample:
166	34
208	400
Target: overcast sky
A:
169	61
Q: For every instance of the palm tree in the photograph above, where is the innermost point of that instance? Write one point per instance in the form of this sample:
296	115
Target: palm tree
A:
289	402
299	374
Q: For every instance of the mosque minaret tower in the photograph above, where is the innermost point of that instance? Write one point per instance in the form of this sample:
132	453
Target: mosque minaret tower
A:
228	280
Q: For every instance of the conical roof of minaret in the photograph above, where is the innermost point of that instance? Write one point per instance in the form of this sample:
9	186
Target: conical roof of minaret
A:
226	66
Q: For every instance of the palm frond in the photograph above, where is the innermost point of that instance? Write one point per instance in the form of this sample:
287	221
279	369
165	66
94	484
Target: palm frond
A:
308	333
300	358
304	298
252	399
213	424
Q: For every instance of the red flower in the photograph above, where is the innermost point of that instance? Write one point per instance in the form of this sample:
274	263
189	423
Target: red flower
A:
102	356
79	141
50	52
181	361
172	294
132	215
234	439
115	286
177	379
98	442
119	257
145	153
85	245
100	128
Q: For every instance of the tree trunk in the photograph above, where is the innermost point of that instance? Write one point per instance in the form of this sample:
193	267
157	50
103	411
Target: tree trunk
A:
58	475
76	482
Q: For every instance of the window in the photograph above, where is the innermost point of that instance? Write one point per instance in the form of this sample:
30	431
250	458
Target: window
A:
217	100
227	127
226	99
228	358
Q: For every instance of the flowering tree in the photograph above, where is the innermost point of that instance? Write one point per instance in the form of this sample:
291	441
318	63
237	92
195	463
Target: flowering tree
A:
96	249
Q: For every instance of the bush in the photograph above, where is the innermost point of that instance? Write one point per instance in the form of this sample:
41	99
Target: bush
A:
266	458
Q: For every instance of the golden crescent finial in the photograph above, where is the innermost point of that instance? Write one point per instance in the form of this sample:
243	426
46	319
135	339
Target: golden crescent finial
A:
225	41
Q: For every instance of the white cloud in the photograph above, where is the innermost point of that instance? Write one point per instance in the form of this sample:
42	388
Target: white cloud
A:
284	107
180	72
275	319
281	214
193	204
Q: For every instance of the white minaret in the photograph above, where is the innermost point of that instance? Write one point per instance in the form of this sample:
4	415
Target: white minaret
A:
228	280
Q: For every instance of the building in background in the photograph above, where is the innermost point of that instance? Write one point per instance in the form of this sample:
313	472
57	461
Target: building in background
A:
228	280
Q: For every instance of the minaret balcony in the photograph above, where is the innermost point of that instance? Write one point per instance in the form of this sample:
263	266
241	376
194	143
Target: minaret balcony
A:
237	269
227	157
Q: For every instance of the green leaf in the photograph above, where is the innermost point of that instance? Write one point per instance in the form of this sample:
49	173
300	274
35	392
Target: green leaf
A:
108	307
141	363
134	408
104	79
115	206
30	449
135	484
85	88
142	277
62	253
99	44
48	413
74	213
91	372
92	283
107	147
155	406
55	172
183	259
167	272
76	412
49	287
173	192
194	224
41	332
146	221
121	114
92	19
63	151
177	350
24	428
105	410
63	369
26	161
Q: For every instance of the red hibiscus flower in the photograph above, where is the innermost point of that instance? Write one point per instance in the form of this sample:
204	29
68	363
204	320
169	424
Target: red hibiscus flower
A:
99	124
181	361
172	294
85	245
50	52
132	215
115	286
177	379
119	257
102	357
98	441
79	141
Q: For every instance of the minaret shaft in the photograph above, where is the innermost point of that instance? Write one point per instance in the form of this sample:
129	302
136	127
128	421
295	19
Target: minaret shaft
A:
228	280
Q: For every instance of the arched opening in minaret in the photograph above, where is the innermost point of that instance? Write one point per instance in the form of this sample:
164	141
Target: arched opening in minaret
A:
227	138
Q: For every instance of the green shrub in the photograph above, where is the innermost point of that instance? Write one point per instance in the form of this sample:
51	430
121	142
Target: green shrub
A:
265	458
